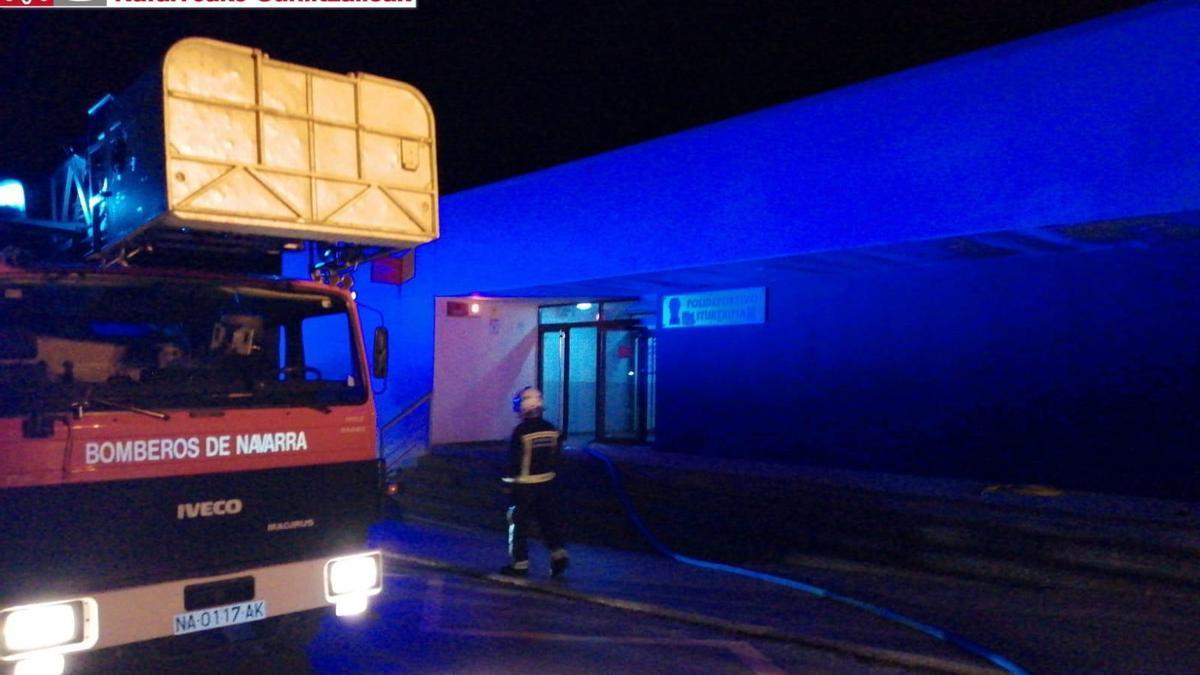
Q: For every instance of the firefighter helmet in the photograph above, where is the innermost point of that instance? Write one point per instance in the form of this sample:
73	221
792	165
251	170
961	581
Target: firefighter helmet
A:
527	400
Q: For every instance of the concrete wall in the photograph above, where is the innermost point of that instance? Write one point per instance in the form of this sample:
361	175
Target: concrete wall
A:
479	362
1081	370
1090	123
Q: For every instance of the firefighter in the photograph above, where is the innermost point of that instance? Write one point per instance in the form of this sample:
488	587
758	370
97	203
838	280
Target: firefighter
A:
533	454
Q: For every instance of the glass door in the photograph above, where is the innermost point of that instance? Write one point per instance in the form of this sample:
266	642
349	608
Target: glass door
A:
567	378
553	376
621	407
581	386
597	381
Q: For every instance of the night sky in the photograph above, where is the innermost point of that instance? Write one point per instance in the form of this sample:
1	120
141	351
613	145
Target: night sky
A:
517	87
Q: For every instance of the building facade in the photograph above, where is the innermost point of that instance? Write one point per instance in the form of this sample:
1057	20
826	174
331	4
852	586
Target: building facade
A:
983	268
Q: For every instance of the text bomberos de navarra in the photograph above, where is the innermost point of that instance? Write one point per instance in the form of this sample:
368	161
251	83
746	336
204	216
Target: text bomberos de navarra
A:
192	447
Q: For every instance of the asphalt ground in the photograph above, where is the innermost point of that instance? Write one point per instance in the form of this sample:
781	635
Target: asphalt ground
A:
1101	629
444	610
617	598
615	612
430	622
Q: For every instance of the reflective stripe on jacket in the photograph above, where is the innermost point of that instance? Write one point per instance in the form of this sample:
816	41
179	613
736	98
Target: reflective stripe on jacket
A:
533	452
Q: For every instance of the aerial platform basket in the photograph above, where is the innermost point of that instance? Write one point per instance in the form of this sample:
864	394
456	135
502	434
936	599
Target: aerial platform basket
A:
227	141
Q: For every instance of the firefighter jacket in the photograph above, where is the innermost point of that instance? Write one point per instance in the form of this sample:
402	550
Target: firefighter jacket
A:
533	452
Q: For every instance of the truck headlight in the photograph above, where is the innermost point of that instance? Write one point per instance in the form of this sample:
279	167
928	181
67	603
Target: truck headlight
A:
33	628
53	627
349	581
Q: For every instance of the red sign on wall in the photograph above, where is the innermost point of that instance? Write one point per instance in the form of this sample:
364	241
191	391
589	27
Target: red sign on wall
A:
394	270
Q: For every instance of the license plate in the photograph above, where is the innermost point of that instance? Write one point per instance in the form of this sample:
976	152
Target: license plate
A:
220	617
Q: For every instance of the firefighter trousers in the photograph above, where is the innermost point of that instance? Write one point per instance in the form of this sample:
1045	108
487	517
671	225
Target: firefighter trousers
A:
537	501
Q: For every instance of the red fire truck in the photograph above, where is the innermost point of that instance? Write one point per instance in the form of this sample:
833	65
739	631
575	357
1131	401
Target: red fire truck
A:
188	448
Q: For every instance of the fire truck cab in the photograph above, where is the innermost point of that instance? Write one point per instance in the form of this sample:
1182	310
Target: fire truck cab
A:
188	445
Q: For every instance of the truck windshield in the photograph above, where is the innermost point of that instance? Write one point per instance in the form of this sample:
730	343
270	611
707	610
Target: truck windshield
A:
163	344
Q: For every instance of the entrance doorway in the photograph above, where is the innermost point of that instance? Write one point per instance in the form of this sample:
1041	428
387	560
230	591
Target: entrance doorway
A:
597	378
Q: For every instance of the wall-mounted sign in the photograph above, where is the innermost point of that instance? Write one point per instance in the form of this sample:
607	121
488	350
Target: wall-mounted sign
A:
393	269
468	308
715	308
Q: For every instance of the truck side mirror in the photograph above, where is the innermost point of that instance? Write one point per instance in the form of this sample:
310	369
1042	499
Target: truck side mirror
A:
379	364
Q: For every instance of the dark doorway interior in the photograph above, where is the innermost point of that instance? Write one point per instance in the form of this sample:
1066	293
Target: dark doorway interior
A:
597	375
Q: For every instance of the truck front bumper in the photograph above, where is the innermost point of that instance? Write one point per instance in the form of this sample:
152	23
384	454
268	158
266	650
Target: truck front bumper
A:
136	614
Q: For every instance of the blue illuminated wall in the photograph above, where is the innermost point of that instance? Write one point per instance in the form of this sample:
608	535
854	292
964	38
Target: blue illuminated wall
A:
1095	122
1080	370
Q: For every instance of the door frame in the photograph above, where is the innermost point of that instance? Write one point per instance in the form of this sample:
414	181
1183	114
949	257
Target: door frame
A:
640	334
